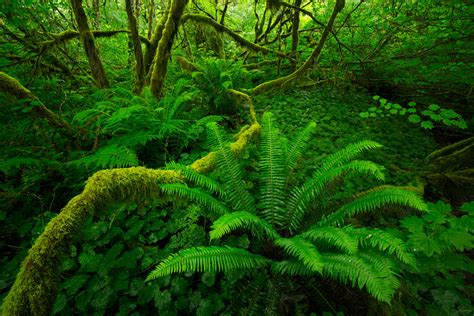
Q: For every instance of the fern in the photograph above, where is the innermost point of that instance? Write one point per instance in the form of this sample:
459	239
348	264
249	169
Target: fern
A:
347	154
241	220
272	172
373	201
303	250
334	236
301	197
382	240
298	146
194	194
291	268
359	272
240	199
113	156
199	179
210	258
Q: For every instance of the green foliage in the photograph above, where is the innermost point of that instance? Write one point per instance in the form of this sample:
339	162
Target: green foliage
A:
434	114
366	259
441	242
214	77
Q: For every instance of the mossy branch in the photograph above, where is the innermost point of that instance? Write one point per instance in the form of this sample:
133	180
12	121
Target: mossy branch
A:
309	62
35	287
236	37
11	86
60	38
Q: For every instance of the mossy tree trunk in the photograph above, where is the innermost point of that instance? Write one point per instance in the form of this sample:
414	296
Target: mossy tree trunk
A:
163	52
137	48
295	37
155	39
98	72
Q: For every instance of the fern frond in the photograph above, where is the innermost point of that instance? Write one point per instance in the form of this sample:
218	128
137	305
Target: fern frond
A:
298	146
373	201
182	190
272	172
385	266
137	138
238	197
291	268
6	165
382	240
120	116
200	259
359	272
199	179
334	236
112	156
241	220
303	250
301	197
347	154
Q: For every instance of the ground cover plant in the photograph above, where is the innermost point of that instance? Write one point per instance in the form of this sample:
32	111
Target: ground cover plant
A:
121	191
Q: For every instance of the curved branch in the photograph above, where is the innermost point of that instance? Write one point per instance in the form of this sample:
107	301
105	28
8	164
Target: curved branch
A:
224	29
11	86
59	38
314	55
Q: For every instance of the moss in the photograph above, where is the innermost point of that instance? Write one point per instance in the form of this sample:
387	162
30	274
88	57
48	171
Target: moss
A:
12	86
35	287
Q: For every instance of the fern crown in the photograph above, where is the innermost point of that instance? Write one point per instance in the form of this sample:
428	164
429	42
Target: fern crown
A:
305	237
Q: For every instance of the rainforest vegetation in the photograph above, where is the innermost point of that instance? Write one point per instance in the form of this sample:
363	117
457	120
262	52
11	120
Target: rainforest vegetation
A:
236	157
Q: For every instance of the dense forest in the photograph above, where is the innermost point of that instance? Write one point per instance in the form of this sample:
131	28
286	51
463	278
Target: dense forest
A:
224	157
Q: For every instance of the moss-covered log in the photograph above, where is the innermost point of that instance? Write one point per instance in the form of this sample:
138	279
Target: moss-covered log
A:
309	62
11	86
97	69
163	52
35	287
137	49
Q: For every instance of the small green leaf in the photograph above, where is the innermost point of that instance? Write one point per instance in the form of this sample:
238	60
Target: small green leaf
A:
393	111
372	109
383	101
427	124
376	97
434	107
412	110
59	304
414	118
411	103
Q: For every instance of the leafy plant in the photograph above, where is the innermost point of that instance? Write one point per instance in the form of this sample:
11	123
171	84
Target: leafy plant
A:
294	233
429	117
440	242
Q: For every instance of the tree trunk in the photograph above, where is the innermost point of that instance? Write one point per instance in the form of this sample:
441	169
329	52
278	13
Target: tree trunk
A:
98	72
137	49
163	52
155	38
295	37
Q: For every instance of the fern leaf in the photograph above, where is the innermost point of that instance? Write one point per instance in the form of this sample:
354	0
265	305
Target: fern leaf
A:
272	172
299	145
383	240
200	259
112	156
334	236
301	197
291	268
373	201
359	272
347	154
199	179
303	250
241	220
238	197
182	190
